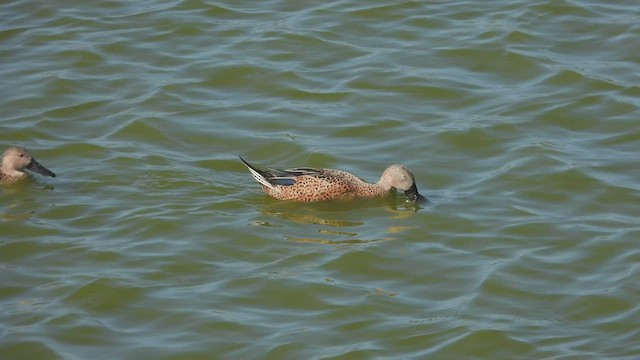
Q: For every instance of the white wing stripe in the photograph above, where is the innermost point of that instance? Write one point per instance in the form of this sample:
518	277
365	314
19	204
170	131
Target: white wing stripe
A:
261	179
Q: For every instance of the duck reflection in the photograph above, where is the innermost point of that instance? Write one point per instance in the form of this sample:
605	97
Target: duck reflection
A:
334	229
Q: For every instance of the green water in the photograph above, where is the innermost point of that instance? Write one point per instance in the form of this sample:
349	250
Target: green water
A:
518	118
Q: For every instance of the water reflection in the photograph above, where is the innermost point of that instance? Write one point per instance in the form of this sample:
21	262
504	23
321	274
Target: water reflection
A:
331	219
20	200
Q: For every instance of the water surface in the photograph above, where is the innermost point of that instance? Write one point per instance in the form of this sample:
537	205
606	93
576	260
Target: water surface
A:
518	118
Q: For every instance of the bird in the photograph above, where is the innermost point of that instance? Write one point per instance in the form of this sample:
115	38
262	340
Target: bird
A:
311	184
14	161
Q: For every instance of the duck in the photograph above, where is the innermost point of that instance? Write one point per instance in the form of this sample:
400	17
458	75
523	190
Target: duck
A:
14	161
309	184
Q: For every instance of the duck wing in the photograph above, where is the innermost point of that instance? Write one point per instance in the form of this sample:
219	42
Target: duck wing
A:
285	177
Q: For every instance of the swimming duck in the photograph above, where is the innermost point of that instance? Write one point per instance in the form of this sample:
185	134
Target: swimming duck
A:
14	161
311	184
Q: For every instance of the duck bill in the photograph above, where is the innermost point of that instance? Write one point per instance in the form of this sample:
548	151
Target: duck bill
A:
36	167
414	195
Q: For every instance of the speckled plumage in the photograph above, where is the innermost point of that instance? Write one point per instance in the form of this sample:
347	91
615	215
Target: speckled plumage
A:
311	184
14	161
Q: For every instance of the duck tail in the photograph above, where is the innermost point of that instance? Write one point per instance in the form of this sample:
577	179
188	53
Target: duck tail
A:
258	174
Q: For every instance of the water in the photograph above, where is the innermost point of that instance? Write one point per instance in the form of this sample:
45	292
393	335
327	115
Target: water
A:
518	118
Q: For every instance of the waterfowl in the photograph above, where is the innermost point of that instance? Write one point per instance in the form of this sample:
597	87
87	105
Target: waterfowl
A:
14	161
311	184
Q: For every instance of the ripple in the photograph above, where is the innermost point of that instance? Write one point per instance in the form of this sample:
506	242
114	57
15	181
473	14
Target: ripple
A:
519	122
